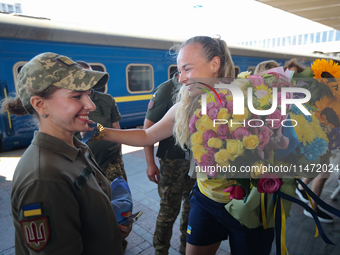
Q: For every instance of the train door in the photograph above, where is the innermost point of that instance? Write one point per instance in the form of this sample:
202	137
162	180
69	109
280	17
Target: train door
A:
6	124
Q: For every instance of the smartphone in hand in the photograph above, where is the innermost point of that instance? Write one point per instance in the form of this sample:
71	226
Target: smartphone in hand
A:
133	218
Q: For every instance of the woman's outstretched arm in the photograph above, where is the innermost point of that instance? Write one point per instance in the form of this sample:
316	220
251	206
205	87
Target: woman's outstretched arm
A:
144	137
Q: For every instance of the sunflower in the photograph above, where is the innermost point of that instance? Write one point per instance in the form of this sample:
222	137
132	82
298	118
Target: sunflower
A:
329	111
323	70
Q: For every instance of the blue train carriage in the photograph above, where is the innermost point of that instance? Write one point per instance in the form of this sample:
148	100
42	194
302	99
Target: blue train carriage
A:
136	65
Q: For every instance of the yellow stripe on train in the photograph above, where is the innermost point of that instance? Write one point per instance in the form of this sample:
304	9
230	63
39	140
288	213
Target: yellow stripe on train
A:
132	98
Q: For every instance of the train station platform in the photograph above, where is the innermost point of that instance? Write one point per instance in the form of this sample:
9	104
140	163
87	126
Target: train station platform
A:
299	229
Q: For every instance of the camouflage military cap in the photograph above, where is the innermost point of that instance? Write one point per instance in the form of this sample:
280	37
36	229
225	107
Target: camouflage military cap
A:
49	69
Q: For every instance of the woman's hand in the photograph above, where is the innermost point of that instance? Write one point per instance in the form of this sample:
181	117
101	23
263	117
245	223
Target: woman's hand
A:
88	128
125	230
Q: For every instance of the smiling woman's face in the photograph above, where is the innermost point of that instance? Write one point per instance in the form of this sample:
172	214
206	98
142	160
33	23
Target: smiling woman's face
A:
192	65
68	111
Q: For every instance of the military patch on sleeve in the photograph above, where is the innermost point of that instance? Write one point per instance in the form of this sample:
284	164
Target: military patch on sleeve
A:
151	104
35	229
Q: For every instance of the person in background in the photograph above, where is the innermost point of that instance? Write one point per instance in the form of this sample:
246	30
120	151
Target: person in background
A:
209	222
293	65
174	183
265	65
108	154
320	180
60	199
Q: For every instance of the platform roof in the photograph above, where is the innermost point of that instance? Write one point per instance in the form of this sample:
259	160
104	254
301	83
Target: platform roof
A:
326	12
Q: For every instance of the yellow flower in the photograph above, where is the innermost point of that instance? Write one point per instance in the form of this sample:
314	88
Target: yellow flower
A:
216	127
235	147
244	74
197	125
257	170
197	113
225	92
209	100
223	114
323	70
229	97
206	123
232	124
306	132
303	129
251	142
242	117
198	151
197	138
222	157
215	142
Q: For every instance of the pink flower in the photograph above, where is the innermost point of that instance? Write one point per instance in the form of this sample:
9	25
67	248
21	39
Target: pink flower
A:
236	192
208	134
192	121
223	100
274	119
223	131
240	132
269	183
207	160
230	106
210	105
264	137
256	80
212	113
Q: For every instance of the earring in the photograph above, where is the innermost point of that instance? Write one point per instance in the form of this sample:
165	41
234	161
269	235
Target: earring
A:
44	116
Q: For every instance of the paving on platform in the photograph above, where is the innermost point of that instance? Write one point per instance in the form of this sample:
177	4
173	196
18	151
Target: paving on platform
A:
299	229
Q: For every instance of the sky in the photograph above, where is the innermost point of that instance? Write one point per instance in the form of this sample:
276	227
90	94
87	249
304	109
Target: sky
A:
233	20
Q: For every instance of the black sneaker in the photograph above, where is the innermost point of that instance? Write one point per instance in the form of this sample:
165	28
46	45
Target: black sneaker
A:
323	217
302	195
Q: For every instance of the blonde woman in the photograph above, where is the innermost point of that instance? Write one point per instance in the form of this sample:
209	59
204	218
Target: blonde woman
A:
207	59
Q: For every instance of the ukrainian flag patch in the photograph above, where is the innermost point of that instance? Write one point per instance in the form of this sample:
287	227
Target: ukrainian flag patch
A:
31	210
189	230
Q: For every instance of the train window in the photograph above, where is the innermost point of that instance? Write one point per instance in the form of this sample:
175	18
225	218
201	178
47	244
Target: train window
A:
251	69
237	70
139	78
101	68
171	71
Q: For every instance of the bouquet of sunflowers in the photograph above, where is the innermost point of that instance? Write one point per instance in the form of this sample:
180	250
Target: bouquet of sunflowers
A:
246	148
323	80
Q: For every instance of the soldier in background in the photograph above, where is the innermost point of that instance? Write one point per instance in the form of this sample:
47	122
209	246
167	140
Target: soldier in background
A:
108	154
174	183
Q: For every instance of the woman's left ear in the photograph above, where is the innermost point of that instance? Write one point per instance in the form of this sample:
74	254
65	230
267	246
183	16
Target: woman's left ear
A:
38	104
215	63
